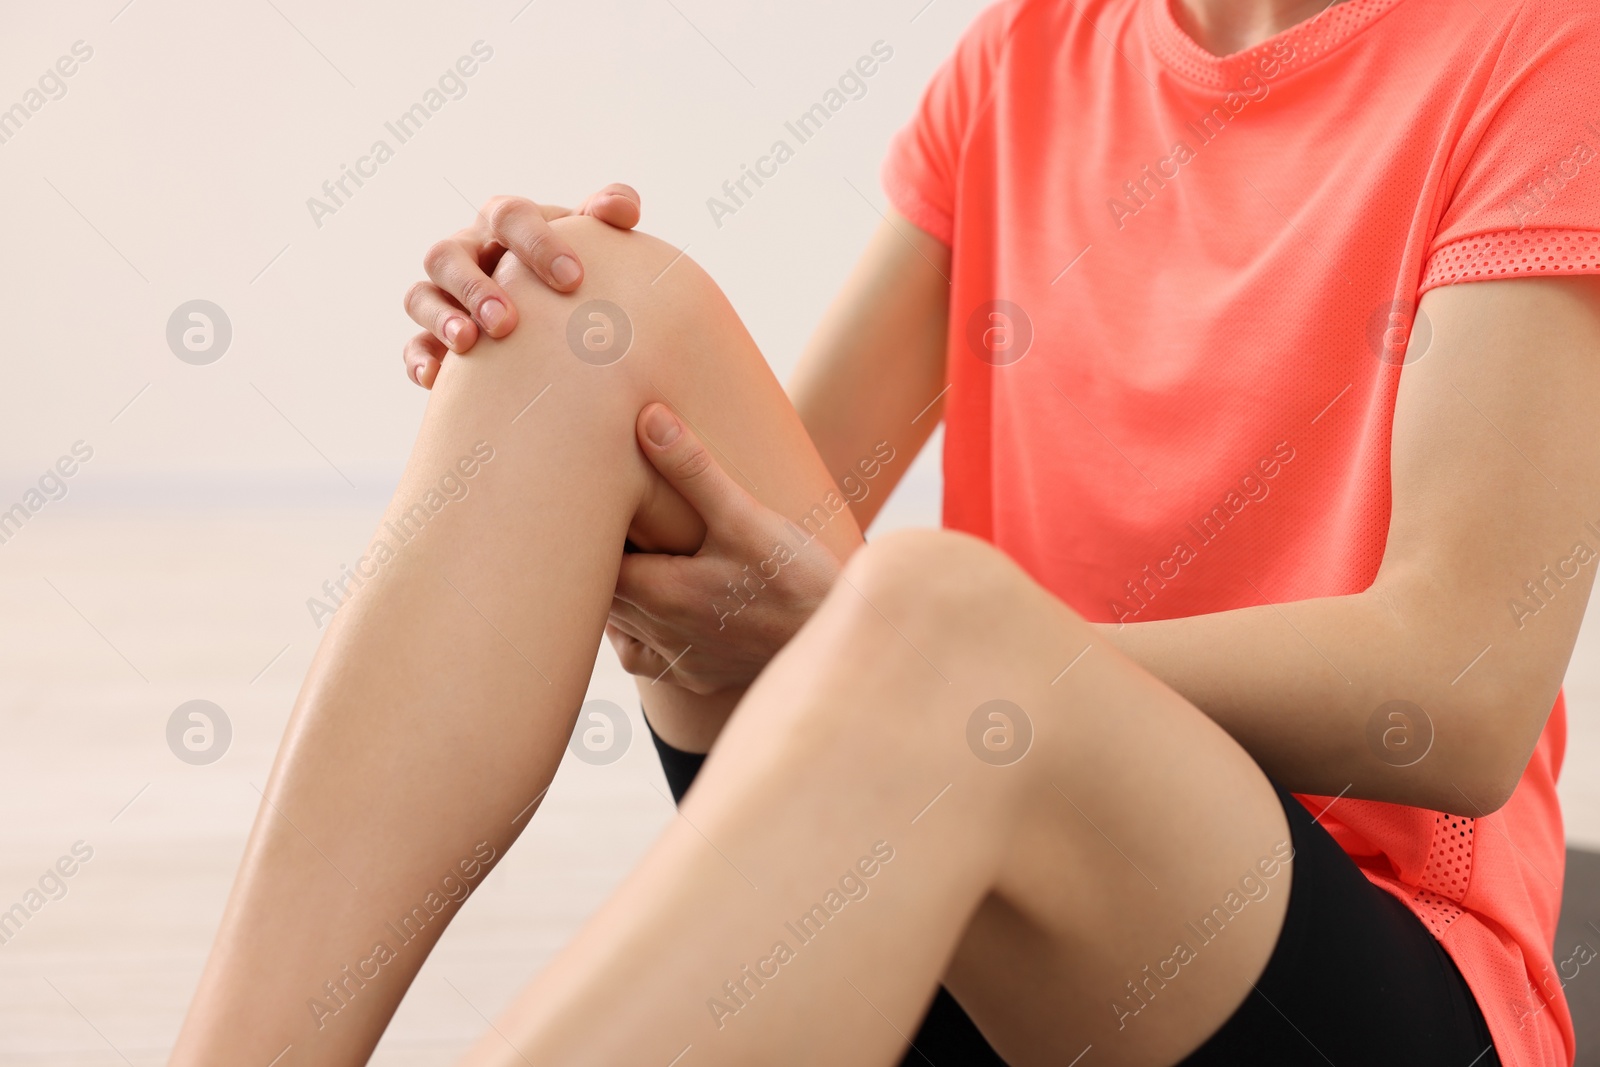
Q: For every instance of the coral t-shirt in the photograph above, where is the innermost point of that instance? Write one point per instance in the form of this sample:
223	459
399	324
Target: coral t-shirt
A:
1181	293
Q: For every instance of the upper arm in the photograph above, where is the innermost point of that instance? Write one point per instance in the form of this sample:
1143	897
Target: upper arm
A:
869	385
870	381
1495	522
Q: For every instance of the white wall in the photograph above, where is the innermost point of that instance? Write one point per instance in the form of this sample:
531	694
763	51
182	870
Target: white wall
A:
179	162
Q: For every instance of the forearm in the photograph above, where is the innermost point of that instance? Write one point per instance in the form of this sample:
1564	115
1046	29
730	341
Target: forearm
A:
870	386
1305	688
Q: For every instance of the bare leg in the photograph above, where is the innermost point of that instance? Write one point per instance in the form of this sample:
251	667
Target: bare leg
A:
1040	889
442	696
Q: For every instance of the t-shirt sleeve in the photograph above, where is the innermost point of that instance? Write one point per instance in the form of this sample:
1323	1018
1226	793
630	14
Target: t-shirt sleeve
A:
921	169
1527	200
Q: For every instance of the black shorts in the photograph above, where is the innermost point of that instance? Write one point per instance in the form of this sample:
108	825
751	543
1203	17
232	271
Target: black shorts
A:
1355	977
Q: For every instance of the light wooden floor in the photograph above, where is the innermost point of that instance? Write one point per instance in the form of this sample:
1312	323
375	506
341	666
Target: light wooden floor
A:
113	619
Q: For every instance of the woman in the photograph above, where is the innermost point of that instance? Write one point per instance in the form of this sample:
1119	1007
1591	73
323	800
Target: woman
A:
1220	731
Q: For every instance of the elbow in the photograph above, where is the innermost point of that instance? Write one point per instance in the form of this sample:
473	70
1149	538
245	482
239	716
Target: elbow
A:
1485	724
1495	739
1471	784
1486	792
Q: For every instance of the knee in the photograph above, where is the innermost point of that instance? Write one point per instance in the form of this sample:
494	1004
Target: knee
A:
945	581
640	298
922	631
613	260
948	609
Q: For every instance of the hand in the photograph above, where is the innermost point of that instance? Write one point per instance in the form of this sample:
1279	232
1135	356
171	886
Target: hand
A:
735	602
462	297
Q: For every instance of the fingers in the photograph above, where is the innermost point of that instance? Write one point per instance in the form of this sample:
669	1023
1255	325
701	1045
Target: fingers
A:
616	205
633	622
422	355
523	227
636	657
457	267
461	266
433	309
689	467
646	583
462	299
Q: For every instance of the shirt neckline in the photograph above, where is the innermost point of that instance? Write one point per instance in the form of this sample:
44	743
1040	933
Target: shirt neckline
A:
1307	42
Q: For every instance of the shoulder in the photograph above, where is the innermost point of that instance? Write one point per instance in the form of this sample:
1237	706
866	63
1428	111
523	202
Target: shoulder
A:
1028	34
1039	22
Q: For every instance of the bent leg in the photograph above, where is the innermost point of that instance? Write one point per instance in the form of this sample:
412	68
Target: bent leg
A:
871	821
442	696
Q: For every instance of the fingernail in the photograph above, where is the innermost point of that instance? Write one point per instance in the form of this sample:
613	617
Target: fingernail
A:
661	427
452	330
564	269
493	313
416	375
